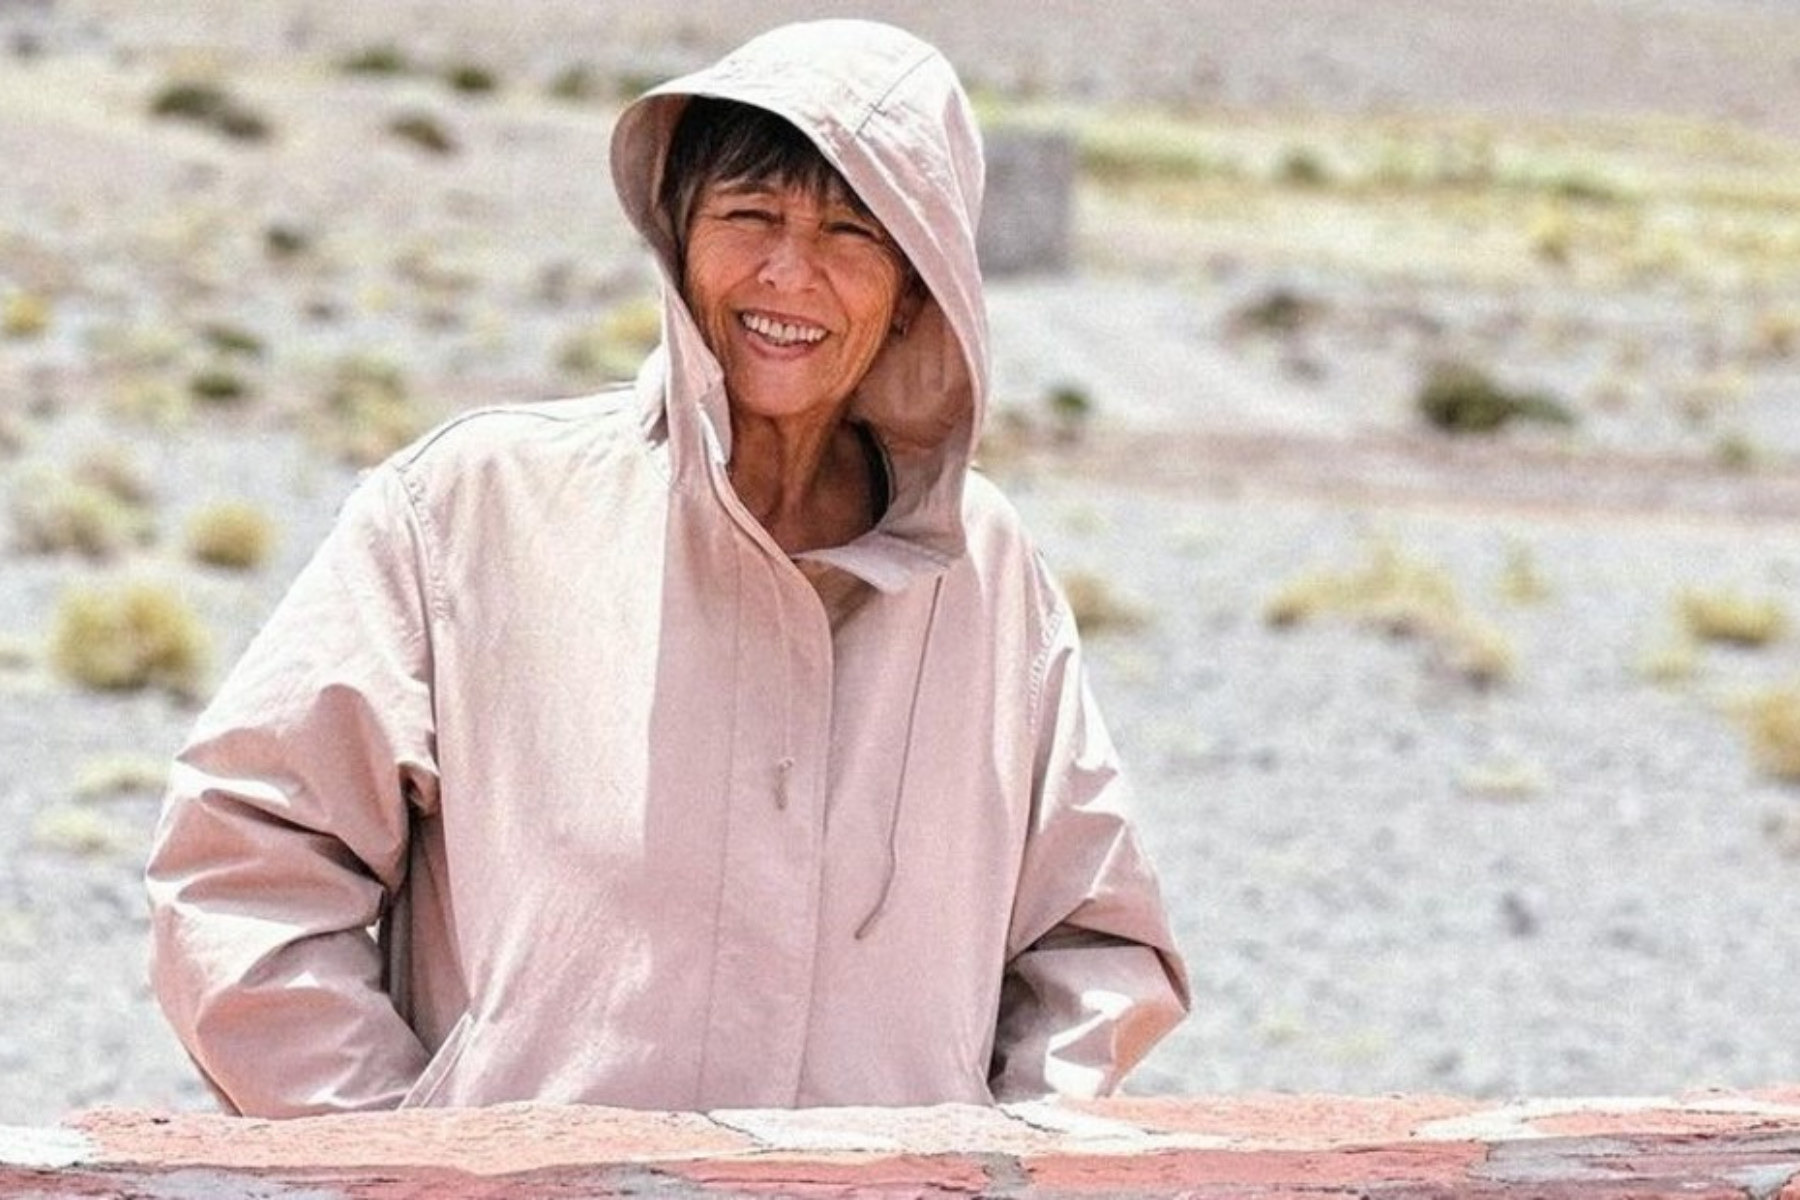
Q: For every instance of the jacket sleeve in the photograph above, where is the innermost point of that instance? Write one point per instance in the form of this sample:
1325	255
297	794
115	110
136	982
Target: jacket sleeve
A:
285	832
1093	979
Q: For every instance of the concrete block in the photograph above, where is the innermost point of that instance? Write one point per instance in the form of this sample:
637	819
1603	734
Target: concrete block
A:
1028	215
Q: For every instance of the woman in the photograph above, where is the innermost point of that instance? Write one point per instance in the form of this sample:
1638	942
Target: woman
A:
719	744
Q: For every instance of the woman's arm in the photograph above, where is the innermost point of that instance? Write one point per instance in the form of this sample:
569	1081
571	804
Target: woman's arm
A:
285	831
1094	979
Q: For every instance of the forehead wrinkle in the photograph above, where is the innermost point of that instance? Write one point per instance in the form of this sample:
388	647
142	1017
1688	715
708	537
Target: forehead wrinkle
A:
824	191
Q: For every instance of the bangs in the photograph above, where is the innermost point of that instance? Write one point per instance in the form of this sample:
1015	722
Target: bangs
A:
725	142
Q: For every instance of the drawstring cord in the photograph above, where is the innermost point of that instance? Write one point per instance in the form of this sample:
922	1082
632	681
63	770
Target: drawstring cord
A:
784	771
893	830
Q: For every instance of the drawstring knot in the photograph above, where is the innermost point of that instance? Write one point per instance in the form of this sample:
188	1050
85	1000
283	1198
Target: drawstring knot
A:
912	714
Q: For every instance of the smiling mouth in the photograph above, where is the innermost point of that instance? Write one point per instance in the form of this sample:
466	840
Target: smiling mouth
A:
781	333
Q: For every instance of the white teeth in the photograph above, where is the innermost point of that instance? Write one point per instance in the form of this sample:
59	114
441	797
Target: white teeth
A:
780	332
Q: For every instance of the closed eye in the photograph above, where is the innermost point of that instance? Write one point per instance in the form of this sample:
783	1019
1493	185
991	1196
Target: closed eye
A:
750	216
856	229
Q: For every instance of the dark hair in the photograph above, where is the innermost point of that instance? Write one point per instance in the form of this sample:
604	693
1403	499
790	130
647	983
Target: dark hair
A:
723	141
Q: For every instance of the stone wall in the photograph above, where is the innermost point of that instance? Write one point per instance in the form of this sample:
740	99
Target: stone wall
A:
1710	1146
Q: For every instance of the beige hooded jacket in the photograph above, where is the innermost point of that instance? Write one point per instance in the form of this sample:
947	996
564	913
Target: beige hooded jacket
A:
640	821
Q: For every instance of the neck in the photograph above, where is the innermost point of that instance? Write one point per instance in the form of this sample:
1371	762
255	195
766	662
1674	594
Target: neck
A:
806	482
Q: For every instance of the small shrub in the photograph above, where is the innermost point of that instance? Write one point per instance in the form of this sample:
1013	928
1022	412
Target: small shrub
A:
282	241
1124	153
232	340
574	83
1302	168
1582	188
1731	618
1705	397
230	534
1279	311
1737	453
1458	398
1669	662
1776	334
1097	605
1552	235
211	107
471	79
116	775
130	636
54	513
24	315
151	400
1521	580
1406	597
1071	408
115	470
366	411
384	59
190	101
16	653
14	434
424	132
69	829
614	347
1506	779
1772	720
219	385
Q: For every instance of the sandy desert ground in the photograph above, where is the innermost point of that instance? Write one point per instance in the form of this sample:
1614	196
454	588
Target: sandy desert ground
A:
1482	816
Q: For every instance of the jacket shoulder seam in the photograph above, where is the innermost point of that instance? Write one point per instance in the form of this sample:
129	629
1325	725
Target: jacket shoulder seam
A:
424	444
436	592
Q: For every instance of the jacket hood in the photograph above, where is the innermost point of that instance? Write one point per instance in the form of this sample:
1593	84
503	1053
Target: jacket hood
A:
888	112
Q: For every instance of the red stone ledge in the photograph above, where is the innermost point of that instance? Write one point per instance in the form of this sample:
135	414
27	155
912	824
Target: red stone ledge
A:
1742	1145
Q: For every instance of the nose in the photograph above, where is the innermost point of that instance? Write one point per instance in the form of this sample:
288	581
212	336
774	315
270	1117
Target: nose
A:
789	263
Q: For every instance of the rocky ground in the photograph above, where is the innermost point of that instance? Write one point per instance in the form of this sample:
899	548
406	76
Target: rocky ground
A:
1481	817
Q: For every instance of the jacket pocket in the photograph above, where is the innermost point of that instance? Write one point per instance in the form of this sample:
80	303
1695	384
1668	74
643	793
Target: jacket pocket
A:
424	1092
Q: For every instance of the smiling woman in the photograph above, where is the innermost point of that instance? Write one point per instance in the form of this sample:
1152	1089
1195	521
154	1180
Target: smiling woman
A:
795	286
722	744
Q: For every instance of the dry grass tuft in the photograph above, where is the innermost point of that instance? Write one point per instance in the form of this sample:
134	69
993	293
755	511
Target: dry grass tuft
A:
1731	618
55	513
1505	779
1279	311
24	315
130	636
231	534
471	79
1521	579
366	411
385	59
614	347
1772	720
210	107
1669	662
119	775
70	829
424	132
1406	597
1098	606
114	468
1459	398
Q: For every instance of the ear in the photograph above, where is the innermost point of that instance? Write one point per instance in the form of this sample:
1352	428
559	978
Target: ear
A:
906	309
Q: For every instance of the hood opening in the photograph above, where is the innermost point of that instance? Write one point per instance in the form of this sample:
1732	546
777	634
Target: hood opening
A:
888	113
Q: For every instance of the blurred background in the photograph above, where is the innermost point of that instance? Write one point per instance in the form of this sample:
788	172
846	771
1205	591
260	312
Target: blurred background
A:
1407	391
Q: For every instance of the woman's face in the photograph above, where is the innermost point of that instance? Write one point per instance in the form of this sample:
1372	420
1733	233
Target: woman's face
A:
794	292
